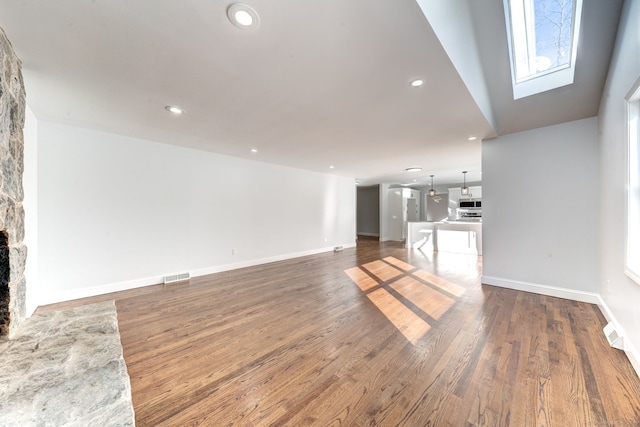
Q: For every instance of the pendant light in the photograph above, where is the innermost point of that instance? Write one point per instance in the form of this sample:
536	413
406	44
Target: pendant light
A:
432	191
464	190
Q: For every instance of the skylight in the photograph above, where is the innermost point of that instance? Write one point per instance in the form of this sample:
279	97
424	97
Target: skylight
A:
543	40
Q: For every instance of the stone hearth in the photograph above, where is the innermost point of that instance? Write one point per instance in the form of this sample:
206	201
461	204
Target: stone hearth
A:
66	368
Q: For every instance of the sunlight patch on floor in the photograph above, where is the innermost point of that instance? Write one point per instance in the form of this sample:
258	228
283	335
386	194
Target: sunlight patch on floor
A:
405	320
441	283
360	278
382	270
432	302
389	281
400	264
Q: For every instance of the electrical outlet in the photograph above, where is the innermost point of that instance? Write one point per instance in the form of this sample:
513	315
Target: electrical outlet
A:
234	251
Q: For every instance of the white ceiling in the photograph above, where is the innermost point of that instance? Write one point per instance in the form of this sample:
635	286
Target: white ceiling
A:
317	84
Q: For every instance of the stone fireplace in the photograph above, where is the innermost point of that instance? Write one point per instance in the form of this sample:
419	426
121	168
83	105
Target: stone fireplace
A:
62	367
13	252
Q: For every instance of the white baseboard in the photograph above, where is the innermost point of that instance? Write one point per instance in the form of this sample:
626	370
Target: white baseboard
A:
571	294
68	295
362	233
629	349
260	261
552	291
73	294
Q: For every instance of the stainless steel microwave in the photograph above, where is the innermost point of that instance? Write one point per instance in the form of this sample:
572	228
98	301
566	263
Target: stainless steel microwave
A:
470	204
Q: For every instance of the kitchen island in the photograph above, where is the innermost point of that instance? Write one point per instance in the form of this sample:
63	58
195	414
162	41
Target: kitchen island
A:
446	236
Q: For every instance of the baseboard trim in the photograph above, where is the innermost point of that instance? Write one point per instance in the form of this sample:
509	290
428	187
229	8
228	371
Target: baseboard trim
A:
629	349
552	291
69	295
361	233
260	261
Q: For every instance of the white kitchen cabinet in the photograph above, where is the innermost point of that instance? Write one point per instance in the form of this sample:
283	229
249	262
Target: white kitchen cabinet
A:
474	193
459	237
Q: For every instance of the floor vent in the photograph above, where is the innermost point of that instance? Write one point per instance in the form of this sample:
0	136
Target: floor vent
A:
337	248
615	339
176	278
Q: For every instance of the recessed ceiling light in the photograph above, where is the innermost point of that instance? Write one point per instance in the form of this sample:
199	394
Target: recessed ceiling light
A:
254	150
331	167
416	83
174	109
243	16
472	138
413	169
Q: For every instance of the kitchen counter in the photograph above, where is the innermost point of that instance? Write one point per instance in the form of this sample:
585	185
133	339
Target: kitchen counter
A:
459	223
446	236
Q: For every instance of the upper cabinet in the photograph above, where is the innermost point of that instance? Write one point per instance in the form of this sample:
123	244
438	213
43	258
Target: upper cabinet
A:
474	193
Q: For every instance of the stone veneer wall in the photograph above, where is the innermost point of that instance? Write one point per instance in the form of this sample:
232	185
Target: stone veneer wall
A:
12	112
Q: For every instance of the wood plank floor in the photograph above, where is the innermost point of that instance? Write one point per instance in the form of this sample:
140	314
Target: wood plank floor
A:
377	335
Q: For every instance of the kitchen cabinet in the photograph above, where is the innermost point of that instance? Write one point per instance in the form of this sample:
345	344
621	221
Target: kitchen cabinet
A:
444	236
459	237
474	193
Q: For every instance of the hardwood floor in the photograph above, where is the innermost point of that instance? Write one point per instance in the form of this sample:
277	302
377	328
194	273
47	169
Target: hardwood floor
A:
377	335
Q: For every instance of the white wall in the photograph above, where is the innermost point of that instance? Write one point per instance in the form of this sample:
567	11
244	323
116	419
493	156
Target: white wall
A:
540	210
30	204
436	211
116	212
459	41
621	295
